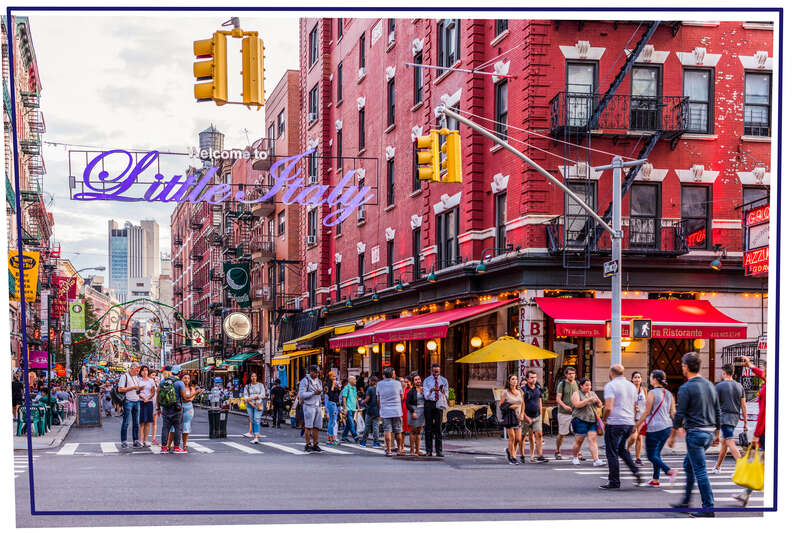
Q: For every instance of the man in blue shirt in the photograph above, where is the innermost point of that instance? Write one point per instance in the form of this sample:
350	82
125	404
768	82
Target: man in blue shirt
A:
172	415
435	390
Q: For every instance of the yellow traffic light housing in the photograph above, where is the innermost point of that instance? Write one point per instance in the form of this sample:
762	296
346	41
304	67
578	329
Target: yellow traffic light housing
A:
214	69
429	160
453	156
253	71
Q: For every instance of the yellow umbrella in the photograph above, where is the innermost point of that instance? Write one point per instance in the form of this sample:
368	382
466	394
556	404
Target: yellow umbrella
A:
507	349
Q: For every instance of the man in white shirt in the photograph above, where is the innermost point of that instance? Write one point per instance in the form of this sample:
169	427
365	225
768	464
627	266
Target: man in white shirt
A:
129	384
619	418
389	397
435	390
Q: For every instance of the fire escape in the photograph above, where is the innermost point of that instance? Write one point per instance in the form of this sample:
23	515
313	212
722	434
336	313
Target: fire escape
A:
630	118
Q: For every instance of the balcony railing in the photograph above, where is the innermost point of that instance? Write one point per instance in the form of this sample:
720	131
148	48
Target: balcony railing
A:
262	246
571	112
643	236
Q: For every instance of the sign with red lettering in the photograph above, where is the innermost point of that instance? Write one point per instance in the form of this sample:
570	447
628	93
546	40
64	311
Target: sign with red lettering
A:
757	216
757	262
680	331
756	257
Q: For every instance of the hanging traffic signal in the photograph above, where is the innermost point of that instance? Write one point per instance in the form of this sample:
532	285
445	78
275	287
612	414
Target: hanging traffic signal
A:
253	71
429	160
452	162
214	69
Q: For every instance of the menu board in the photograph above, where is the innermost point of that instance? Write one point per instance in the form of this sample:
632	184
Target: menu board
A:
89	412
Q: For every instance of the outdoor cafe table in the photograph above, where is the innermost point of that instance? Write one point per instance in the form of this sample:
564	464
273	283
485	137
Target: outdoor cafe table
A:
468	409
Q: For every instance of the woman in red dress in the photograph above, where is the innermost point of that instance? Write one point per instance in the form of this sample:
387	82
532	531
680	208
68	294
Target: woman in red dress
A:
405	383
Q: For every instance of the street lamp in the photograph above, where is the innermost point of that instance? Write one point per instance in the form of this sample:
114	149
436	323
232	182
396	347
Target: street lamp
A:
481	267
717	263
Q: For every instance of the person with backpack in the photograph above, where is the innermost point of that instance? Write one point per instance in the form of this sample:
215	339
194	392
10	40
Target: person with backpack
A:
169	398
564	391
129	385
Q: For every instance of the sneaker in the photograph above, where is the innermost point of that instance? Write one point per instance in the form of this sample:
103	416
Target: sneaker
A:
164	449
344	439
254	441
653	483
308	448
124	445
154	442
542	459
744	497
575	461
608	486
514	462
638	462
599	462
439	454
522	459
302	432
581	458
375	445
362	443
672	474
703	514
638	479
248	435
716	470
316	448
137	444
533	460
178	450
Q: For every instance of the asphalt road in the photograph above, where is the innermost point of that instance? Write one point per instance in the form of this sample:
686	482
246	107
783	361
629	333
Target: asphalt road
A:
90	472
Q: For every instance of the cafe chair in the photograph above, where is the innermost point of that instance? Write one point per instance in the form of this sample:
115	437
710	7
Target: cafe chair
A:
455	423
479	422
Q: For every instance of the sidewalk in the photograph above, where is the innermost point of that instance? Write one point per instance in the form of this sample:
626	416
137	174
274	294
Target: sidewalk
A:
52	439
496	445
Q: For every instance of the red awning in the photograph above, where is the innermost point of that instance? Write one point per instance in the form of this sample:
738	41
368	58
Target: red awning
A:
671	319
416	327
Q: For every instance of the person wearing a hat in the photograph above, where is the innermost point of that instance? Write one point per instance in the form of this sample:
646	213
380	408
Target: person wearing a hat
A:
310	395
172	415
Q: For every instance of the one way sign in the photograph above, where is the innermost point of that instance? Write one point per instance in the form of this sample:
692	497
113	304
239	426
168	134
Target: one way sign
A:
642	328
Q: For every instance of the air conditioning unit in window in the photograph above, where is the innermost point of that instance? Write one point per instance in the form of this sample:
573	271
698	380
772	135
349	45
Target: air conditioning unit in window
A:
313	179
361	72
312	117
361	290
361	215
310	240
391	37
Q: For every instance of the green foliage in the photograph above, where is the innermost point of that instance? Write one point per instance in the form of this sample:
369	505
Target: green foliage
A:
80	352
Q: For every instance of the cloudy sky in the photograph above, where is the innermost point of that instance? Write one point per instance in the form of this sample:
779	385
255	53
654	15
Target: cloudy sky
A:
126	81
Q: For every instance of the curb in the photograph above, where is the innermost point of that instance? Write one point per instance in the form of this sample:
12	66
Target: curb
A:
57	436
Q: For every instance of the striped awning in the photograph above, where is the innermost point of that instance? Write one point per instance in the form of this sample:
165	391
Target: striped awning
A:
285	358
325	330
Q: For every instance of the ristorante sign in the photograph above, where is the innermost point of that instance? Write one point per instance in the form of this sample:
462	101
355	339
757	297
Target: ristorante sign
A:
659	331
343	198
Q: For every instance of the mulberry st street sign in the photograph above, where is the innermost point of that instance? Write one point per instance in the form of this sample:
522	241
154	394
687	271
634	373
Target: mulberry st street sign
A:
343	198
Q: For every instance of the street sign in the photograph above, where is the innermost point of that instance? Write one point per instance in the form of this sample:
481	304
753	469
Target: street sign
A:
610	268
67	337
642	328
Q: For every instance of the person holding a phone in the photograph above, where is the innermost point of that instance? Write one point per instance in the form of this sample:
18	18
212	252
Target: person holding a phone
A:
254	394
435	391
190	392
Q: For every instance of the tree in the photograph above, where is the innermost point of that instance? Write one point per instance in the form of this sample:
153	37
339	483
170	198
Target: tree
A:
81	352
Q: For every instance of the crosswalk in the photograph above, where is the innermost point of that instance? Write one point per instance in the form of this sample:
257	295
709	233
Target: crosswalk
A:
723	488
210	446
21	464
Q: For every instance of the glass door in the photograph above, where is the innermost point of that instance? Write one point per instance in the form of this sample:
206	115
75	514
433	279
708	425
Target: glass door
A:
644	102
580	88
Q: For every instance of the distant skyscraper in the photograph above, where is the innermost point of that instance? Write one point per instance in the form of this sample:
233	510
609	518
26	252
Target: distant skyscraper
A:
118	252
133	253
151	255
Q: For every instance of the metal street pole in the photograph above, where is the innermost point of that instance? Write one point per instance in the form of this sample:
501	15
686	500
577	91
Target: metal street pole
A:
615	231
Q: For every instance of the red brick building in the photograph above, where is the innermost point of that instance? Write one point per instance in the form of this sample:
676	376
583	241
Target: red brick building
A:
695	101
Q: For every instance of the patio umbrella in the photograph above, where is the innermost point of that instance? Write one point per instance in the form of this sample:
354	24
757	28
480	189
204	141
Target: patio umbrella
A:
507	349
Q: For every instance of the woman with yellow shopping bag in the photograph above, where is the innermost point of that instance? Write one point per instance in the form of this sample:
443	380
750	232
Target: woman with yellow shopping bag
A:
749	472
759	434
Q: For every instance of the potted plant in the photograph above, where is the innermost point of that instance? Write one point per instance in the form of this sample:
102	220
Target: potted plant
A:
451	397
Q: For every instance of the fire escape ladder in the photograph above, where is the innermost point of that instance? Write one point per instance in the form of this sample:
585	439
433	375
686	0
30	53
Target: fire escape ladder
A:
625	69
649	144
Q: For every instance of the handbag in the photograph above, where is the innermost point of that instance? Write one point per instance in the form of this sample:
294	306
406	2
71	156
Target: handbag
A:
749	472
600	426
509	416
742	440
642	430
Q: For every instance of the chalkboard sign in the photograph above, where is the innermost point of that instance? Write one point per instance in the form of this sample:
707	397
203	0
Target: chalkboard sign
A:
89	412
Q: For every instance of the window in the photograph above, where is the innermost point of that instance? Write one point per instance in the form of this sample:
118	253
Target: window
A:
752	198
339	208
361	216
451	124
338	281
281	123
695	215
281	278
581	86
340	28
501	108
390	264
313	45
362	52
362	129
312	224
644	100
270	227
757	104
416	179
339	143
312	289
447	43
313	104
447	238
281	223
501	25
500	220
418	79
339	83
271	137
416	252
698	88
361	268
577	220
644	215
391	182
313	168
391	102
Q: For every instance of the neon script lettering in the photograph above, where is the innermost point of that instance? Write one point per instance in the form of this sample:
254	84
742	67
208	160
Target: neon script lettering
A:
342	198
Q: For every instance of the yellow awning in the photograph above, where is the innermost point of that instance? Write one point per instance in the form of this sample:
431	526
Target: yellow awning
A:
337	330
285	358
507	349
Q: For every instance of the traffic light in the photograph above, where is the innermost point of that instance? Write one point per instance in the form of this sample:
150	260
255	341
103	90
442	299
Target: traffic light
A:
253	71
215	69
453	156
429	160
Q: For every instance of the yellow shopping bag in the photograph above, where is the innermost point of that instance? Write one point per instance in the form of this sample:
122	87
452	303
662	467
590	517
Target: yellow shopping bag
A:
749	472
242	404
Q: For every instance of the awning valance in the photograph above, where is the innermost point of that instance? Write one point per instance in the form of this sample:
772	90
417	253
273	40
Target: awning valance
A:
241	357
285	358
207	368
416	327
671	319
336	330
192	364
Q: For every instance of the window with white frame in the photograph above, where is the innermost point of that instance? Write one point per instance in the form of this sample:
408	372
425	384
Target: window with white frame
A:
313	103
757	104
447	43
313	45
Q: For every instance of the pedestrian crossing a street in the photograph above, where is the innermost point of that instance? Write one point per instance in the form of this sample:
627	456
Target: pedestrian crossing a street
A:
21	464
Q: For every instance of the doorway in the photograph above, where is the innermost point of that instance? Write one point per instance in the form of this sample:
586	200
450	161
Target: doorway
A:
666	355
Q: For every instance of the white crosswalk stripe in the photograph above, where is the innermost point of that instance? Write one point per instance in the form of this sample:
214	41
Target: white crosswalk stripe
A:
378	451
21	464
734	489
287	449
194	446
68	449
246	449
108	447
332	449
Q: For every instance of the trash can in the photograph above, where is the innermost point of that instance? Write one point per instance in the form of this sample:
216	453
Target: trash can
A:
218	423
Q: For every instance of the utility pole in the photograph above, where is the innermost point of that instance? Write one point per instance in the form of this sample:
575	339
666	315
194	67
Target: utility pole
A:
615	231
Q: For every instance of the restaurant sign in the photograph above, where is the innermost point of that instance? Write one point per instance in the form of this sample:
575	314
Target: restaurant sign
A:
659	331
756	257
